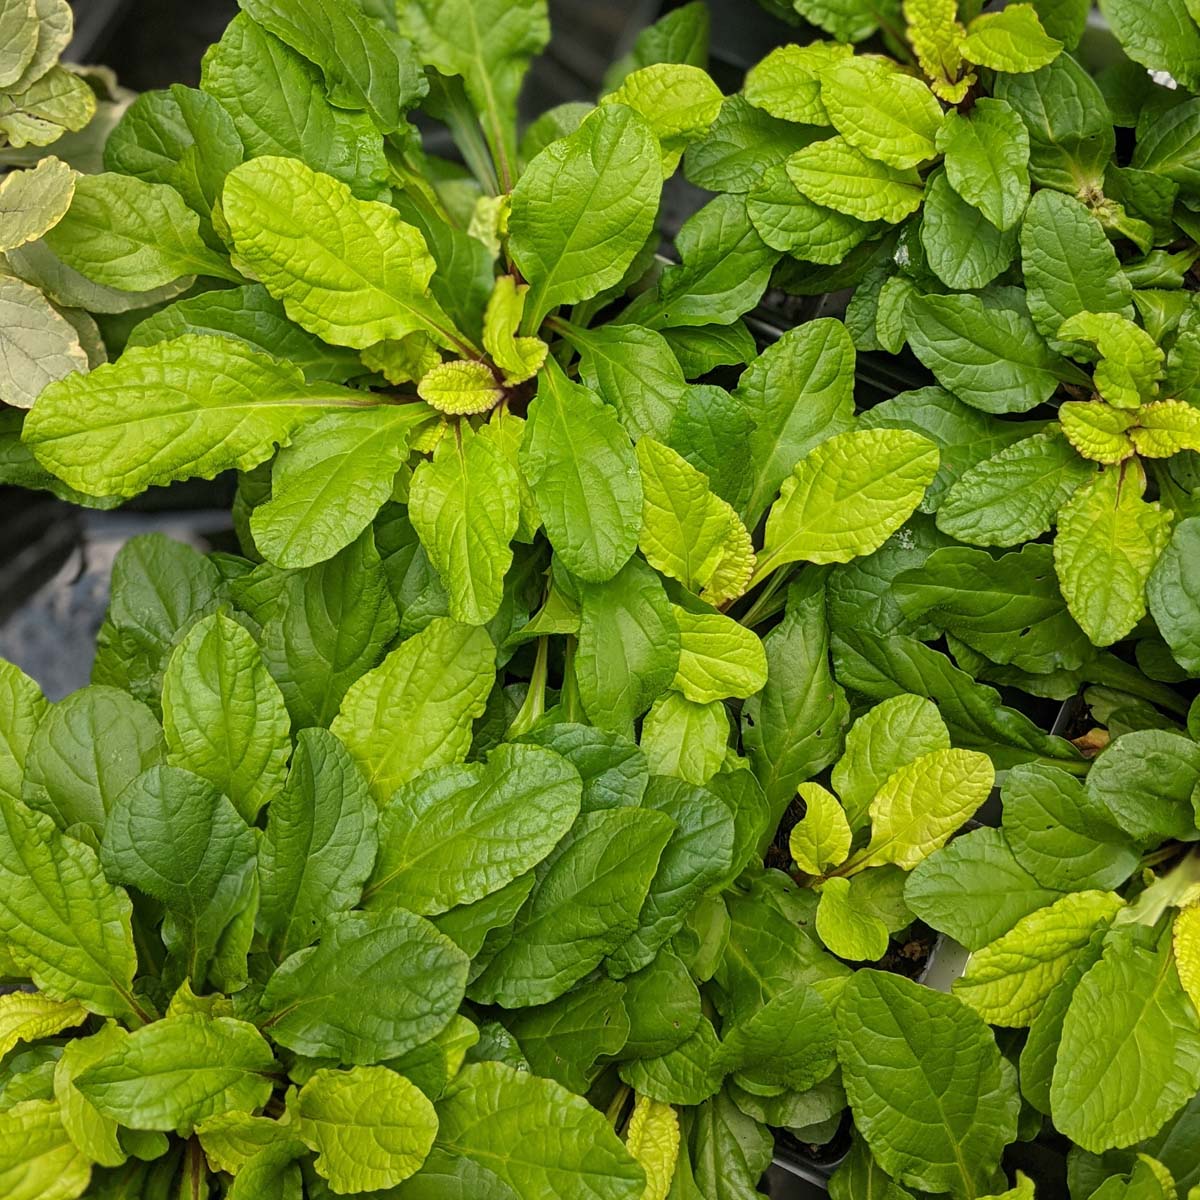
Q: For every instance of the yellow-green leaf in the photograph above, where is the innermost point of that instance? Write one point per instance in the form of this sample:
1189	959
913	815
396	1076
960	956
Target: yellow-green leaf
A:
936	37
820	840
1011	40
519	358
787	83
401	360
27	1016
1185	934
460	387
847	929
718	657
1097	430
686	739
90	1130
653	1139
1166	427
38	1161
1131	362
840	176
678	101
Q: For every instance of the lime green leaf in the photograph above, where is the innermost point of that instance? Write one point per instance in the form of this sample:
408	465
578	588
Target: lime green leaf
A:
583	208
1023	1190
365	64
987	159
319	1002
922	804
718	658
1108	541
847	497
403	360
38	1161
465	505
936	37
56	103
681	35
934	1127
90	1130
845	928
414	711
735	568
1014	495
1173	591
1131	362
879	743
47	881
787	83
520	358
536	1136
329	483
653	1139
685	738
455	835
886	114
224	716
1166	427
232	1139
28	1016
32	202
350	271
1007	982
837	175
188	407
370	1128
173	1073
460	387
1185	944
820	840
1097	430
37	344
788	220
678	101
22	707
1012	40
584	477
1130	1051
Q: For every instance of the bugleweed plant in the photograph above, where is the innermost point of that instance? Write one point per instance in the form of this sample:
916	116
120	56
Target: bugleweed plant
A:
444	842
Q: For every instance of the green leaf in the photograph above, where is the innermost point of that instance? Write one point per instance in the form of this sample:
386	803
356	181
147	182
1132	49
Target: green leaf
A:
224	716
1008	981
860	1177
1163	38
681	35
489	45
365	64
820	840
685	738
328	484
732	1152
610	166
584	477
884	739
925	1083
369	1127
174	837
350	271
86	750
839	176
460	388
414	711
1059	834
173	1073
788	220
718	658
318	1003
974	889
585	903
520	358
845	927
686	1075
38	344
279	105
963	248
678	101
536	1136
1165	428
1008	608
1130	1051
456	834
992	358
62	922
1108	541
189	407
38	1160
663	1007
846	497
787	83
319	846
32	202
1016	494
58	102
19	31
628	646
1167	145
1012	40
94	1133
987	159
1131	363
793	727
799	392
465	505
879	110
1173	591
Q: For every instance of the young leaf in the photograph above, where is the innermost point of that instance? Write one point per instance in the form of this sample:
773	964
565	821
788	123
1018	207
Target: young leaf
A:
520	358
456	834
583	209
1012	41
1166	427
92	1132
224	716
787	83
318	1002
350	271
653	1139
939	1132
847	497
370	1127
1130	362
936	37
1108	541
1097	430
845	927
839	176
459	388
987	159
821	839
414	711
685	738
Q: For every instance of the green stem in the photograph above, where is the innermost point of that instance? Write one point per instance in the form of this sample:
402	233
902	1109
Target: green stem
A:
194	1184
535	698
613	1114
765	603
569	697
